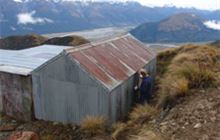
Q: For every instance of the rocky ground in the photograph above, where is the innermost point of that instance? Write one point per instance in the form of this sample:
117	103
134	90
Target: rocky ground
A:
45	130
196	117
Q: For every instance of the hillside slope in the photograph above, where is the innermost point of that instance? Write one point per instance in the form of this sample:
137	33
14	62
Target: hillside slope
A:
28	41
195	117
21	42
184	27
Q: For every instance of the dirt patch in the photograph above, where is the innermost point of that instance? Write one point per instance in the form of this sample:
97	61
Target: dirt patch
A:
46	130
196	117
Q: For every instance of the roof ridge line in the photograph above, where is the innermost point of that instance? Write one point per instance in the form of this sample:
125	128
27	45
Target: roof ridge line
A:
93	44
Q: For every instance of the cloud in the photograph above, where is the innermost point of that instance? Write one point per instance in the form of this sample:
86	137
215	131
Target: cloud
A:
28	18
213	24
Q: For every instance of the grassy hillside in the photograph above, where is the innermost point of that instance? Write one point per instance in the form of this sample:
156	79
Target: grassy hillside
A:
21	42
28	41
67	41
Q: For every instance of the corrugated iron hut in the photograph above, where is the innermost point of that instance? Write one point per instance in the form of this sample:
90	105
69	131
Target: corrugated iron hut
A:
16	80
95	79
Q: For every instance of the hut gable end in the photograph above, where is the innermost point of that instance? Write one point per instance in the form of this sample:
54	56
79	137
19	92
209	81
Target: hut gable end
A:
112	62
62	91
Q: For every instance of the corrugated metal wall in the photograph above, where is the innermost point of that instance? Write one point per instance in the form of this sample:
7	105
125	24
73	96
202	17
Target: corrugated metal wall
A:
16	95
64	92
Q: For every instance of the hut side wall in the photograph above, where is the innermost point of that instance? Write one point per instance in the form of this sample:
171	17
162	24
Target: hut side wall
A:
122	98
64	92
16	96
151	67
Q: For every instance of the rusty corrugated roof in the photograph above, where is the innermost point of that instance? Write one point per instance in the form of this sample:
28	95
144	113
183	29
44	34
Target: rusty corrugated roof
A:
112	61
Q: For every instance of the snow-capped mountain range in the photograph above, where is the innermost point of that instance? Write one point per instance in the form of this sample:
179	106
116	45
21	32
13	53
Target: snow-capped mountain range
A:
49	16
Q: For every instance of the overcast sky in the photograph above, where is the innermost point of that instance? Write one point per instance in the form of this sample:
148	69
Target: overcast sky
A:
200	4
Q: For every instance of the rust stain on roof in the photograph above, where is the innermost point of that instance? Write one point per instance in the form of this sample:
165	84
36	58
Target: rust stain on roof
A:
91	67
113	61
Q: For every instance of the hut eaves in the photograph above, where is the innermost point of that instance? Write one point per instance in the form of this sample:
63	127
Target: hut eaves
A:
23	62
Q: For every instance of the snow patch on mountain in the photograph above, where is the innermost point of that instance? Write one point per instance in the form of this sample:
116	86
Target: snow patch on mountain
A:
18	1
28	18
213	24
13	28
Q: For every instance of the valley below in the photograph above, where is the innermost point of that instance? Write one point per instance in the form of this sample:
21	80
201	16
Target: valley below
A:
95	34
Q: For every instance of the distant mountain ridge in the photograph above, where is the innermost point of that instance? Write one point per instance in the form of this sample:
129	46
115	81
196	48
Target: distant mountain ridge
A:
184	27
50	16
33	40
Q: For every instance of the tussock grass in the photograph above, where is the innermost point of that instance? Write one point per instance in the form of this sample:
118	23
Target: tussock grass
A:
117	129
198	76
180	87
169	92
164	59
188	67
140	111
146	135
92	126
147	132
181	58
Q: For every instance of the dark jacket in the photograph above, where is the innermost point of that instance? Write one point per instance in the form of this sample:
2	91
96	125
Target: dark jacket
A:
145	89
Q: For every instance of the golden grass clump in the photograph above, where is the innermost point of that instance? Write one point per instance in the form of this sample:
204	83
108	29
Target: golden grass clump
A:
144	110
181	58
169	91
180	87
92	126
188	48
203	54
146	135
117	129
198	76
192	67
146	132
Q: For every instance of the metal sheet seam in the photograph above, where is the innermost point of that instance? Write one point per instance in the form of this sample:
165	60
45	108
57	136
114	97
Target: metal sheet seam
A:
114	81
91	76
146	47
131	71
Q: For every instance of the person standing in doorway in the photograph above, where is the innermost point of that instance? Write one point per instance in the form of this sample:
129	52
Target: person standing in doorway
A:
144	86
